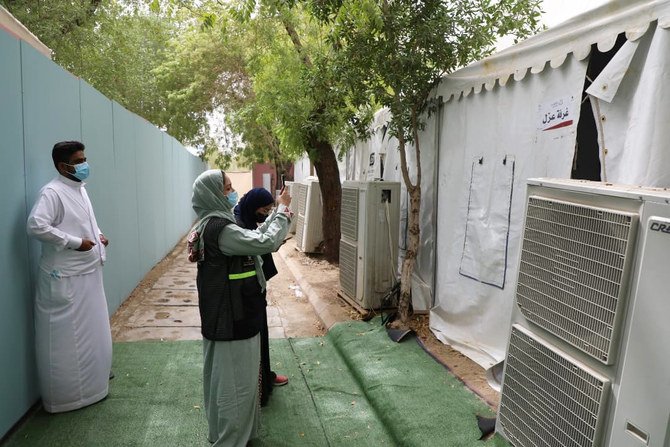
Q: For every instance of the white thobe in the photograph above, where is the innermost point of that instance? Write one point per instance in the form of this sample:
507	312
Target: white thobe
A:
72	332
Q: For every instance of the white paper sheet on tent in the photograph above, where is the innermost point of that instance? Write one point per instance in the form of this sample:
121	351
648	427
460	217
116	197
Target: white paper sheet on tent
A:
634	121
471	315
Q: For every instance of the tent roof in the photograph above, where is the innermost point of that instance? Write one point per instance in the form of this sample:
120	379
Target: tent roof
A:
599	26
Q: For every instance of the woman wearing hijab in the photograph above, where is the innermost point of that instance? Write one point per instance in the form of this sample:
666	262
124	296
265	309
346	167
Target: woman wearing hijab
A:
253	209
231	301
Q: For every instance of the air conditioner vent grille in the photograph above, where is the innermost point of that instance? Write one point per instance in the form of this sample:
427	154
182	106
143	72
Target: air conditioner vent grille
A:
572	266
299	230
349	213
547	398
302	206
348	267
302	197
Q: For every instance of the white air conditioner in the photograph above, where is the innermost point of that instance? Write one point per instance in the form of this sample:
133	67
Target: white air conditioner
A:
587	360
309	226
369	241
293	192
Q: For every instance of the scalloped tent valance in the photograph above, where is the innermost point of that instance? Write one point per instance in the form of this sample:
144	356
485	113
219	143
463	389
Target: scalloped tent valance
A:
573	38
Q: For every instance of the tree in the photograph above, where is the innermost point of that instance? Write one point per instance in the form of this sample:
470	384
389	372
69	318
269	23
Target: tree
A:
113	45
297	87
55	20
266	67
394	52
211	98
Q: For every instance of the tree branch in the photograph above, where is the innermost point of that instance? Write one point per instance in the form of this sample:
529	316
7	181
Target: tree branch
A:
293	35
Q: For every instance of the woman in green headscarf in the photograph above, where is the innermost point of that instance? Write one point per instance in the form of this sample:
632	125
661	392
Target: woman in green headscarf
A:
231	303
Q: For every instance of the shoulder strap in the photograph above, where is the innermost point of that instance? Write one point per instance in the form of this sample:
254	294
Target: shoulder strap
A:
211	236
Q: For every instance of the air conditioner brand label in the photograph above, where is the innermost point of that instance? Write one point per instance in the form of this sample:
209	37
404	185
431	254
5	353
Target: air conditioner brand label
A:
659	226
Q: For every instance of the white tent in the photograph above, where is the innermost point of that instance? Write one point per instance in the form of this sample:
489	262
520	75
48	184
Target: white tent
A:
516	115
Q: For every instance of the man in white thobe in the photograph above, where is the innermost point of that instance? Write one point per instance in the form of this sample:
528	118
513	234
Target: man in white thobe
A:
72	332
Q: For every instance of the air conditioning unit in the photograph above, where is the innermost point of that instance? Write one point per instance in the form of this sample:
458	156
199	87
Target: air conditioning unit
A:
587	361
369	241
292	190
309	226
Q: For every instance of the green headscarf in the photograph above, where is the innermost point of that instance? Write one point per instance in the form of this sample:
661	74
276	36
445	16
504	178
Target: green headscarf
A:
207	201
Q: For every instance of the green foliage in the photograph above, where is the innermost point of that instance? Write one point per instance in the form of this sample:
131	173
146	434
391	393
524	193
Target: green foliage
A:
293	77
242	63
209	91
393	53
113	45
273	76
53	20
190	78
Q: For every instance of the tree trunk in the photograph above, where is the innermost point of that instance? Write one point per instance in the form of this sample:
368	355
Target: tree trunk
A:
413	227
325	163
410	254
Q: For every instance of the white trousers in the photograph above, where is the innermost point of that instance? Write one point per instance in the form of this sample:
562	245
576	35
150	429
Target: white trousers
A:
73	340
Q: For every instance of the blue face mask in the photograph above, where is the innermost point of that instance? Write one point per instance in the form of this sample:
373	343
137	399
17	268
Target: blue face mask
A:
232	198
81	171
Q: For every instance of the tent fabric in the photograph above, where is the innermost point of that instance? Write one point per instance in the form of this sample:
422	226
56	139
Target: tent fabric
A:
553	47
633	116
515	133
534	119
524	111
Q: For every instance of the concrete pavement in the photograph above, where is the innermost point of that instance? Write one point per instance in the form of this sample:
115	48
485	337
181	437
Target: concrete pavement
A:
164	306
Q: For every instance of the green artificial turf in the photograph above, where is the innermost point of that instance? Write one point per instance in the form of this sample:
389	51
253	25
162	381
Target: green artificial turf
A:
353	387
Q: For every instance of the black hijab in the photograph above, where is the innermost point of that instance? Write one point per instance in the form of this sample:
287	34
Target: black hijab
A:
245	210
245	215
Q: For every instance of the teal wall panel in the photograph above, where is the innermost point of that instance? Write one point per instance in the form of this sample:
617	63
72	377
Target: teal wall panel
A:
51	113
168	184
150	193
97	133
17	368
124	249
140	186
180	184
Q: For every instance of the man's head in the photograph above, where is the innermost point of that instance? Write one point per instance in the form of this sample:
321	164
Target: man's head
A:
66	155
